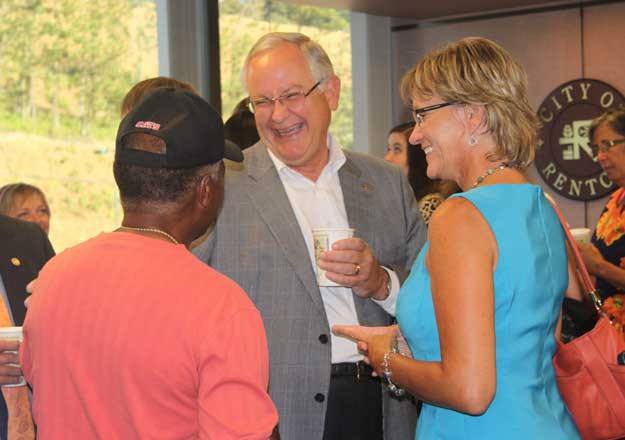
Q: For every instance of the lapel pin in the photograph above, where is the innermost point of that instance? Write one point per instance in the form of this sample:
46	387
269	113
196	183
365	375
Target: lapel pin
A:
365	187
16	261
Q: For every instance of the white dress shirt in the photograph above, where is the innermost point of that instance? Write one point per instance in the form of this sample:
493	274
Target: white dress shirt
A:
320	204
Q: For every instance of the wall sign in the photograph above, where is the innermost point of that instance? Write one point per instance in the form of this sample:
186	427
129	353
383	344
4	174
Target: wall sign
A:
564	159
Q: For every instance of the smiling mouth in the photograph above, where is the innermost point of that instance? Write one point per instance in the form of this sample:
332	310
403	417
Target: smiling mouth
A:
289	131
427	150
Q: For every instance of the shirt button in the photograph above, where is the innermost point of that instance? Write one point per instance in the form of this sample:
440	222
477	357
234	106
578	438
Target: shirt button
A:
323	338
320	397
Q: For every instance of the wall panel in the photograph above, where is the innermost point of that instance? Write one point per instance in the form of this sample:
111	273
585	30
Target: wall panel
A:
604	41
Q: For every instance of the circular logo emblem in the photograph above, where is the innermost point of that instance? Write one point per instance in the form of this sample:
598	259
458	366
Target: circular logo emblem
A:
564	158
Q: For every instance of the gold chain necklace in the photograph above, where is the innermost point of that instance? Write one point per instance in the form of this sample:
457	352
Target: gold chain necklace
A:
489	172
158	231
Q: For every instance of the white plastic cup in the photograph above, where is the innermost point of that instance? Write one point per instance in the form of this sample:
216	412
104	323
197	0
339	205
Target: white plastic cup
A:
13	333
323	239
581	235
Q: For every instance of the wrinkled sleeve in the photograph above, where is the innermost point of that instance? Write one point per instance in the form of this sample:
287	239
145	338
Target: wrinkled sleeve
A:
233	377
389	304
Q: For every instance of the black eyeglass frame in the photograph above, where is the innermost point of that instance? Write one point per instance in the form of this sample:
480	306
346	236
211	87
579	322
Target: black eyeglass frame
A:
418	113
605	146
252	102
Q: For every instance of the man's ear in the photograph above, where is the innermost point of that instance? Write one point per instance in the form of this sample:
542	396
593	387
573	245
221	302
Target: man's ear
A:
210	190
332	91
204	191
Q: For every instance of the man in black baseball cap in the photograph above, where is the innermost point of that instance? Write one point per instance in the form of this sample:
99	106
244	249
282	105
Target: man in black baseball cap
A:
168	143
139	337
191	129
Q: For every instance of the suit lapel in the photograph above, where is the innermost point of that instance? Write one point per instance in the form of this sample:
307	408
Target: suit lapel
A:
358	197
270	200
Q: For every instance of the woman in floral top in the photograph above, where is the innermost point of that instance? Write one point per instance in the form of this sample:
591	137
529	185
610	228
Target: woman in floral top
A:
605	257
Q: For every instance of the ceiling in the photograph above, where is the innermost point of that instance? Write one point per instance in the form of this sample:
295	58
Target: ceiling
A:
433	9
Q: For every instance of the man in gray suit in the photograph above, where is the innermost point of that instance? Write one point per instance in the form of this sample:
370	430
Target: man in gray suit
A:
297	178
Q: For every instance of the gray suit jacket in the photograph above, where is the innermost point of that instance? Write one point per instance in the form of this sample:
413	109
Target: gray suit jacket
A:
258	243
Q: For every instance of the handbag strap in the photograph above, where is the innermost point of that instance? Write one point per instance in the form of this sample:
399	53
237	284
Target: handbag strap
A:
589	287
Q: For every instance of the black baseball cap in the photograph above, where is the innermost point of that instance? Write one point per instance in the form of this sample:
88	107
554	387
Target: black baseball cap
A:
192	131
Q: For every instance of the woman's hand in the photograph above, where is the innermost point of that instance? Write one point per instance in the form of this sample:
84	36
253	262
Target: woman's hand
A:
373	342
600	267
461	259
592	257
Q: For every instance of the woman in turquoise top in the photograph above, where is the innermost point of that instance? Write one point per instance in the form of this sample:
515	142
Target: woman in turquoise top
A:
481	305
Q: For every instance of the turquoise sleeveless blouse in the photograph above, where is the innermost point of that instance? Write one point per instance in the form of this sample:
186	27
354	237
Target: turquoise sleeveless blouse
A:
529	283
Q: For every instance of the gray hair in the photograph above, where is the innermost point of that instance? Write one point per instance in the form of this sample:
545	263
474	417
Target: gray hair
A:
615	119
318	61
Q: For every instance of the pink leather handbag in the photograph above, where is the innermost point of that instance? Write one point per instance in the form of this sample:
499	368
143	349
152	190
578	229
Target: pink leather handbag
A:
591	382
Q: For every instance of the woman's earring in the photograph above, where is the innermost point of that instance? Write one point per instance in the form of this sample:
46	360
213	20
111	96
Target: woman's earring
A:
472	141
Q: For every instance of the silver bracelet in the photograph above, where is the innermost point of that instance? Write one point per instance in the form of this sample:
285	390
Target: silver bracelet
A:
386	371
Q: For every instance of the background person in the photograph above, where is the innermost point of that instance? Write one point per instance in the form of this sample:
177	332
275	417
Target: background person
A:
430	193
605	257
482	302
240	127
397	146
26	202
24	249
295	179
129	330
139	90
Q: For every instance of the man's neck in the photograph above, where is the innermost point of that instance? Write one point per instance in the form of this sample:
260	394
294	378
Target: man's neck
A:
313	169
144	222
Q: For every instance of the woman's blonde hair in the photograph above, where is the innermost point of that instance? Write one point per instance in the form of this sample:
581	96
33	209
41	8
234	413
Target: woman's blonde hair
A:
480	72
13	192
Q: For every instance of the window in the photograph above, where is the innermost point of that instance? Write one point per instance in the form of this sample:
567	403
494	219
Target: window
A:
66	65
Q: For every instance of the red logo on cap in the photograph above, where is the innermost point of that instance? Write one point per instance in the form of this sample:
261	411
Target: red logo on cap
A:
148	124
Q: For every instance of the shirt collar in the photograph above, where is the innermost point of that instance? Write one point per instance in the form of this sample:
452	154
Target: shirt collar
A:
336	157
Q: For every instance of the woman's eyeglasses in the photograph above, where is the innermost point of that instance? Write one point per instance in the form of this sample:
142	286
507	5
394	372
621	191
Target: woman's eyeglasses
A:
419	113
604	146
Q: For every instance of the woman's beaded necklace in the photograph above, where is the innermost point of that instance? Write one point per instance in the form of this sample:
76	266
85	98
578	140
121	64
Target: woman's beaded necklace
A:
489	172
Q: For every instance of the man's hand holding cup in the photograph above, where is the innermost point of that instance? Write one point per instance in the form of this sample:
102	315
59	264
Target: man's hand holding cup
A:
10	370
349	262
